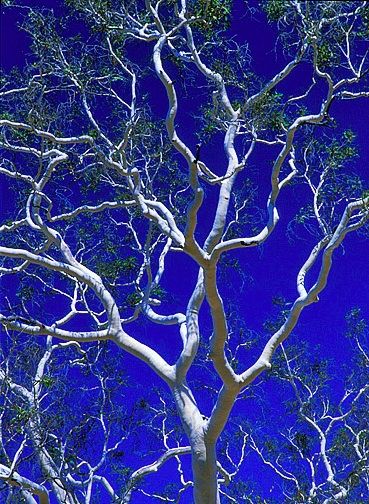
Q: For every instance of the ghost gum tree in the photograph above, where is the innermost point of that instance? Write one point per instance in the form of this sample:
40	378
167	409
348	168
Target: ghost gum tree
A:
106	194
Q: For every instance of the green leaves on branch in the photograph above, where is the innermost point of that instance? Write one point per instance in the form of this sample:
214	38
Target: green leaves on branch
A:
275	9
267	112
326	56
304	442
364	196
47	381
133	299
357	326
20	418
112	269
212	14
341	150
363	31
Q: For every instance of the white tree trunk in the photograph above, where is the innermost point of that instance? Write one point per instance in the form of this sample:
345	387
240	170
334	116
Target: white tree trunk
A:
204	467
203	452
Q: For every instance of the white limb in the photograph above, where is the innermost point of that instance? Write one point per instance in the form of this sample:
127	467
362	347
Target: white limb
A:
276	467
318	423
191	244
32	399
357	210
114	332
190	331
172	99
157	464
47	135
153	468
220	331
308	265
14	479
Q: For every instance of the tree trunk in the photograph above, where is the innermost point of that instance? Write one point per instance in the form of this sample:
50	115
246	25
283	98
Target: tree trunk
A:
204	467
204	459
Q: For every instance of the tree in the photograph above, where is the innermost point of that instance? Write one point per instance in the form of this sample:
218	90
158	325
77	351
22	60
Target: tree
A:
108	199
